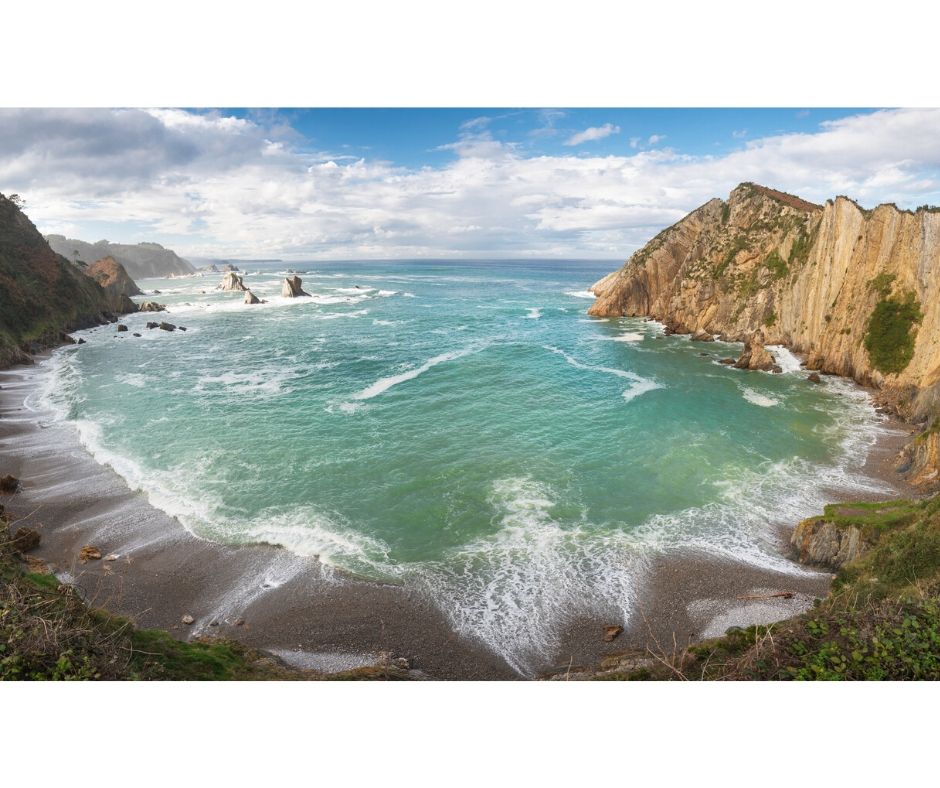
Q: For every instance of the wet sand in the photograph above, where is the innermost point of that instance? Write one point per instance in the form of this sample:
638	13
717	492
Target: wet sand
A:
313	616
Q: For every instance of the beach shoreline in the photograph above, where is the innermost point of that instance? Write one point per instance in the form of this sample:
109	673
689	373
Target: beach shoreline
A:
315	617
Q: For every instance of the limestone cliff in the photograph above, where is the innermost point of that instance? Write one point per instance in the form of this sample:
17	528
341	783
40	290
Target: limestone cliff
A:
857	291
42	295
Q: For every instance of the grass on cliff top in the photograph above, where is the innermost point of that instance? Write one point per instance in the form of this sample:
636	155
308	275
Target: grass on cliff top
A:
881	621
891	331
47	632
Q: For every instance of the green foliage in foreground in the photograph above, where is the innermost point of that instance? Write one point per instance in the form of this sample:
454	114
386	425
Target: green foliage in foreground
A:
891	331
880	622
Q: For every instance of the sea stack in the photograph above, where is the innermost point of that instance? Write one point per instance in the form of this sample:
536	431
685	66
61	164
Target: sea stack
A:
251	298
291	287
231	281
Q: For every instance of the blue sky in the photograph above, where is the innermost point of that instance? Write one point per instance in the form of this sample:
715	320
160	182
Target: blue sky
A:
460	183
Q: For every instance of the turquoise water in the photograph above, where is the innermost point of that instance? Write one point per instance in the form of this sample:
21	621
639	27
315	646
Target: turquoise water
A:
464	428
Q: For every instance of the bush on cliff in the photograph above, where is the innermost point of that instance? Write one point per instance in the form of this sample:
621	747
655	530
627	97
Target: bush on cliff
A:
891	331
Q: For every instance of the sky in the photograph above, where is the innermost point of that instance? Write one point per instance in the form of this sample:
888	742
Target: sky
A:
440	183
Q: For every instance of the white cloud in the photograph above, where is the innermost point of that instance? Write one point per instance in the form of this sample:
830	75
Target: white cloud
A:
217	186
593	133
655	139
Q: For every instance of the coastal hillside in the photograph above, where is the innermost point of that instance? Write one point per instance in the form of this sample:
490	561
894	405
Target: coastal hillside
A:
141	260
857	291
42	295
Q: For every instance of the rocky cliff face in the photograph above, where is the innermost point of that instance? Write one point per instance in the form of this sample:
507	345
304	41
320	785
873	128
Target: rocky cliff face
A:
113	279
857	291
141	260
42	295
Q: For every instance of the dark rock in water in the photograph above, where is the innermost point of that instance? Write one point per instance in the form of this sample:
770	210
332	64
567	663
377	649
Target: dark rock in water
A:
151	306
167	327
121	327
9	484
182	328
80	341
251	298
776	369
151	324
25	539
611	632
67	339
726	361
156	292
705	354
814	377
702	336
136	334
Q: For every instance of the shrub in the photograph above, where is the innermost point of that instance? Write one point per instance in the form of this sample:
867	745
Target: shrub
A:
891	331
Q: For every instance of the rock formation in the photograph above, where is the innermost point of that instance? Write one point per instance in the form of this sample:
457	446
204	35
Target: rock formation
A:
142	261
150	306
755	355
251	298
823	543
231	281
291	287
857	291
113	279
42	295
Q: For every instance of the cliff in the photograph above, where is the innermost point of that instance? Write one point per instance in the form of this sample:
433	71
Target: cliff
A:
141	260
854	290
42	295
113	279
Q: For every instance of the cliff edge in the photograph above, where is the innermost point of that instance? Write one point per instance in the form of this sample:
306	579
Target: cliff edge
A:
42	295
857	291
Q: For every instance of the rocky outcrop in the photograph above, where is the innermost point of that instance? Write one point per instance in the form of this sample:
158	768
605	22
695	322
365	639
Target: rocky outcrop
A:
291	287
141	261
919	461
251	298
857	291
231	281
42	295
113	279
150	306
756	356
823	543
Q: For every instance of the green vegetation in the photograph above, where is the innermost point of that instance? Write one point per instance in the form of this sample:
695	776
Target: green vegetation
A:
776	264
881	621
770	319
737	245
890	335
881	284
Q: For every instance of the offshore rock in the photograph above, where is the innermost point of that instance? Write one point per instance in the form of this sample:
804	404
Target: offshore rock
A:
251	298
231	281
151	306
756	356
114	280
291	287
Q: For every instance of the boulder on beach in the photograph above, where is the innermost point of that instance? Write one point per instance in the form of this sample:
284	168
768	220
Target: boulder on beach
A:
231	281
251	298
291	287
89	553
9	484
25	539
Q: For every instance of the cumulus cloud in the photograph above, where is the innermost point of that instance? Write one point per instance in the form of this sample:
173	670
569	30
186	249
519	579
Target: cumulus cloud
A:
213	185
593	133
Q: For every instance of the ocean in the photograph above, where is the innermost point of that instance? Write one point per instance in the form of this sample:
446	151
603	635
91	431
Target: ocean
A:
462	428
